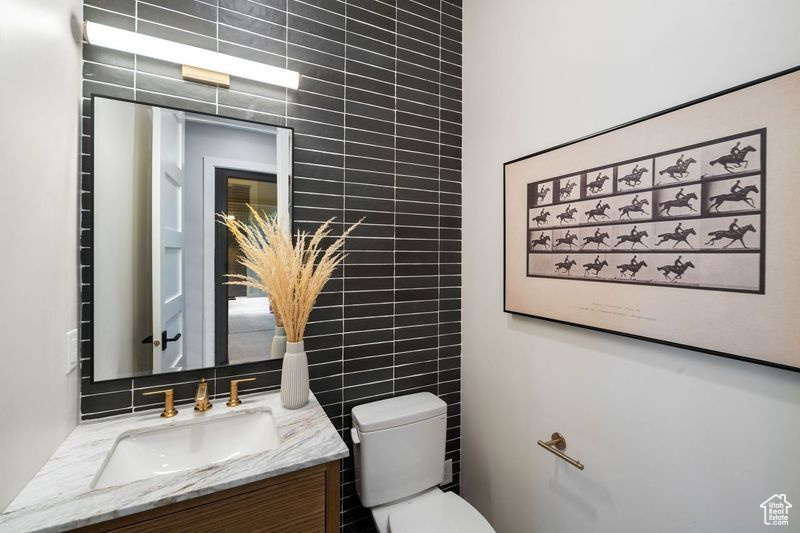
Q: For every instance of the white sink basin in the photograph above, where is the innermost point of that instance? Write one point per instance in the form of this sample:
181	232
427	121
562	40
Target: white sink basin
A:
152	452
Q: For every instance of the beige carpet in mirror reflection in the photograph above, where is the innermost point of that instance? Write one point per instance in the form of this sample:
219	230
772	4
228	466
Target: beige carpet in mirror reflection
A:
251	327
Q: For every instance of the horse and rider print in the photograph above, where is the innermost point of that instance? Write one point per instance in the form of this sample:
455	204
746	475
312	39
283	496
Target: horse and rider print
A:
736	160
678	201
688	217
636	176
733	195
677	169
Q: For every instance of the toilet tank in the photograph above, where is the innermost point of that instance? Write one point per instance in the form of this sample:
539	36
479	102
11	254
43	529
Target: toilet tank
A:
399	447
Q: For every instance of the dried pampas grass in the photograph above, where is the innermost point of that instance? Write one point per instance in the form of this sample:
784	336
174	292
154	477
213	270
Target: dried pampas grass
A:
291	274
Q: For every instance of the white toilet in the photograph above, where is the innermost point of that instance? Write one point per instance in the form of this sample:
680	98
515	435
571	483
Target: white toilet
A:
399	459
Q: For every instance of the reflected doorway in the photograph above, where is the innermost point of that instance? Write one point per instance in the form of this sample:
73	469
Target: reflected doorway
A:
244	323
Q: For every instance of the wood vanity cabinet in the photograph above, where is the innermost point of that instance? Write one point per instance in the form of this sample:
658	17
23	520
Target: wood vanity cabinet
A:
306	501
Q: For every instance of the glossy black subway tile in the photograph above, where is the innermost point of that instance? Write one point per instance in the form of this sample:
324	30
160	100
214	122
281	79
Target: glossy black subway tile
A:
377	123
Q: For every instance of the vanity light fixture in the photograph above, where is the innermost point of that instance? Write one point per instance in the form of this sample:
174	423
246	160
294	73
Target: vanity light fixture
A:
199	65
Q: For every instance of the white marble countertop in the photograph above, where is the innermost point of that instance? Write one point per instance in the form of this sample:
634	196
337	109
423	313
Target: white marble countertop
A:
60	497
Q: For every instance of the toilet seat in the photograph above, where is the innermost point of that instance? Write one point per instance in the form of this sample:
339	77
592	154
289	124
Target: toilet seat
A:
438	512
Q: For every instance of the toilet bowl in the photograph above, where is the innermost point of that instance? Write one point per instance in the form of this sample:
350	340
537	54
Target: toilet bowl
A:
399	448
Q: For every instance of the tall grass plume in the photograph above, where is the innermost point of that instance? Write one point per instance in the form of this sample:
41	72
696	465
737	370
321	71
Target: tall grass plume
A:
292	274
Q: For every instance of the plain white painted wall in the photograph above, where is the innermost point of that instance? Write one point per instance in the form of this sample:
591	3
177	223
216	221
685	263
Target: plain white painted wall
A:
672	440
123	294
39	104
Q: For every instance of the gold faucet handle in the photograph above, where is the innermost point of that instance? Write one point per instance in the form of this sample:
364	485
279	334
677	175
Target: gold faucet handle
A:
169	402
234	401
201	402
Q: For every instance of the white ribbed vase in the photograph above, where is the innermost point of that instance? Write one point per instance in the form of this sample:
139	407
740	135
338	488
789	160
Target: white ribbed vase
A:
278	342
294	377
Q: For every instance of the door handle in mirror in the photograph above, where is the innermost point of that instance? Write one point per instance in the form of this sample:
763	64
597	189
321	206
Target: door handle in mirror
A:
165	339
149	340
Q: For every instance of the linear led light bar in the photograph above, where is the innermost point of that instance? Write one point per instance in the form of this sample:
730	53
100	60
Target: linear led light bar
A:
198	64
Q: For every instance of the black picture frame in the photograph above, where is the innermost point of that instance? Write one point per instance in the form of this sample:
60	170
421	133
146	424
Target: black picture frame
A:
506	309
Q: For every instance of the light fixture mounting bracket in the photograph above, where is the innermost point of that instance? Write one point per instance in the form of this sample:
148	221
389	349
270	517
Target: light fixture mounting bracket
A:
208	77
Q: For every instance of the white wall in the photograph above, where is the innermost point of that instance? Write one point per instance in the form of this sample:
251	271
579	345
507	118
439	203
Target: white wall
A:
39	106
672	440
123	294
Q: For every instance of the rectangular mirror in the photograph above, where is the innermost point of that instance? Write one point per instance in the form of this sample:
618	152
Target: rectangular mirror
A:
159	254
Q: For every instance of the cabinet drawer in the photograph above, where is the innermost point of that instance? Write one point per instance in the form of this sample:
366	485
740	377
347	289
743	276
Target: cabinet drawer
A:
301	502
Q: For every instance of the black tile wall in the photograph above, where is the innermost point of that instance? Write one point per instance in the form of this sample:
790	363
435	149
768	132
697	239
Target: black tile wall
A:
377	123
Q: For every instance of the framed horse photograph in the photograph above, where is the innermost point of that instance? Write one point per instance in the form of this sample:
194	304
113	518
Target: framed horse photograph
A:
658	229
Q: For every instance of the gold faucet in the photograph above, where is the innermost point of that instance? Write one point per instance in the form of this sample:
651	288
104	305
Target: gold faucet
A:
234	401
169	402
201	402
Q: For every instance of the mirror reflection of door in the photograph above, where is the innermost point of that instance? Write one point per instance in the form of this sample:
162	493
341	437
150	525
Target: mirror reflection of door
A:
168	240
244	323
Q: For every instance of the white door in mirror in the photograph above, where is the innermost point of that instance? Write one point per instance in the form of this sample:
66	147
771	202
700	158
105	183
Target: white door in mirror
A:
168	240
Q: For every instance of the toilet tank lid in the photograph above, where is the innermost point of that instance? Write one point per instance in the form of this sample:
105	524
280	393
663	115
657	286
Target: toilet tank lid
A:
397	411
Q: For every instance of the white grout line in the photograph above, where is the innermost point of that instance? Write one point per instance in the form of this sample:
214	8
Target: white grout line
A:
439	131
394	218
184	13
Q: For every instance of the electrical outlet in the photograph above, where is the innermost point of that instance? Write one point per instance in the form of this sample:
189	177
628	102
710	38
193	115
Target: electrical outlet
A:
72	350
448	472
